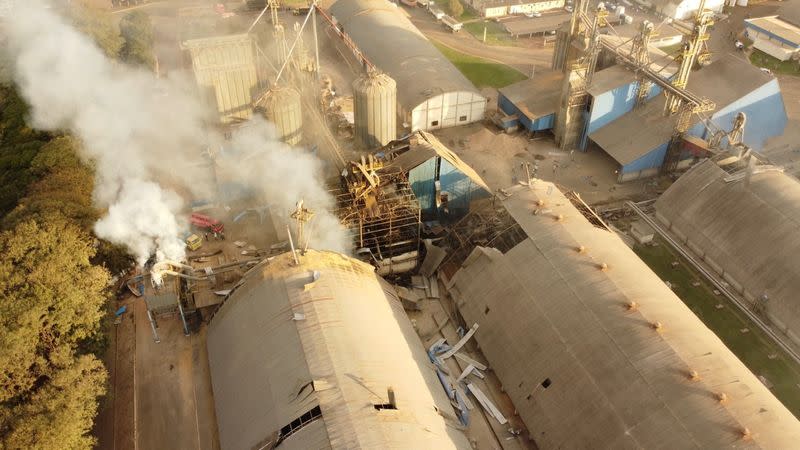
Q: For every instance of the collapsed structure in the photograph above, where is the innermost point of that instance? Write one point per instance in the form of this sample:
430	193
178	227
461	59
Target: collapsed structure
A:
431	92
383	201
593	348
747	229
319	354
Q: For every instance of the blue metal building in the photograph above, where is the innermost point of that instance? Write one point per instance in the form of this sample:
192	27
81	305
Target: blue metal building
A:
443	184
532	102
638	139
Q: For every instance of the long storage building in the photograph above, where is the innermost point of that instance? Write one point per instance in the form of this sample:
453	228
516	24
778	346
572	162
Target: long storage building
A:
748	232
594	350
321	354
431	92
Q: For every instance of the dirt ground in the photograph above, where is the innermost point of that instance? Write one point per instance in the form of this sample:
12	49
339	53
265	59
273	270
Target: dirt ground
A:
498	158
174	402
114	426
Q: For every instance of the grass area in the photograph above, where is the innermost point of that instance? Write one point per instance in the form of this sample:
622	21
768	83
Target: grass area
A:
481	72
753	348
495	33
762	59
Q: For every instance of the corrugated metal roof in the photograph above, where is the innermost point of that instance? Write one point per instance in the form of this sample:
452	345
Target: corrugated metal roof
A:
583	370
638	132
752	232
397	47
353	340
538	96
778	27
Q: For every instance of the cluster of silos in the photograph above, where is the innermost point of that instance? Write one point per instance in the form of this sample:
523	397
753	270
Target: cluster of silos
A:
281	106
375	109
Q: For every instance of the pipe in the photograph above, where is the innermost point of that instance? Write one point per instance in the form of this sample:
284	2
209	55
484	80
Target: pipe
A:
153	326
316	41
183	319
291	244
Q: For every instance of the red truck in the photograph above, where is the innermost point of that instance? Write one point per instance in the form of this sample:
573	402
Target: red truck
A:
206	223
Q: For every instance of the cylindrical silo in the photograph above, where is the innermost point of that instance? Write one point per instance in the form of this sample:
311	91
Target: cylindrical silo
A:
375	109
281	106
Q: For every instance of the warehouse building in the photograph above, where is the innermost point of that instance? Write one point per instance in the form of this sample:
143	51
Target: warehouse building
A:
774	35
532	103
431	92
494	8
321	354
749	233
638	139
593	349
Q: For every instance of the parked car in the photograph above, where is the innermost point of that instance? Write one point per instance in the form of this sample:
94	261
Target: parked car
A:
533	14
568	8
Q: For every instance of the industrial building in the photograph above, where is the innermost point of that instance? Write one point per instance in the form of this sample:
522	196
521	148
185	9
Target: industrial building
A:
774	35
532	103
638	139
443	184
431	92
747	229
593	349
319	353
494	8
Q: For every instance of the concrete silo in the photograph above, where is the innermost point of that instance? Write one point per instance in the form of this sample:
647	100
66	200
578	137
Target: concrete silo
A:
375	109
281	106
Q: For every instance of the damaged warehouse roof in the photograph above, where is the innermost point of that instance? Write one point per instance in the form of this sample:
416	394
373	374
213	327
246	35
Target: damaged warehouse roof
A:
321	354
749	233
595	350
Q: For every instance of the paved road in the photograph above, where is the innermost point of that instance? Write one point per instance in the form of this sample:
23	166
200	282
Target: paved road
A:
522	57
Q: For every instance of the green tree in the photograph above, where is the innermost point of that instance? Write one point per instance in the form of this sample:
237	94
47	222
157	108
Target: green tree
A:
137	33
97	24
456	8
51	299
64	187
19	145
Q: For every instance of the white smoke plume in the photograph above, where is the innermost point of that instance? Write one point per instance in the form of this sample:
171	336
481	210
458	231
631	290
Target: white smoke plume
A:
146	137
280	176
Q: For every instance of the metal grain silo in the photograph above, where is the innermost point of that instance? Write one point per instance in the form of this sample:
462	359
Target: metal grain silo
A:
375	109
281	106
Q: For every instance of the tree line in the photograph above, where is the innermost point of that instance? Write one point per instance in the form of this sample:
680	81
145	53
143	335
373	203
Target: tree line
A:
54	274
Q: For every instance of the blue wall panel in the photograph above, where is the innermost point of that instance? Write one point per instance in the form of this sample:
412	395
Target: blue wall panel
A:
611	105
461	189
651	159
422	180
766	115
540	124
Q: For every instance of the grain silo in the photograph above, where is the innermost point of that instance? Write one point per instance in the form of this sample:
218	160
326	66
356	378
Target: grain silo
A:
375	109
281	106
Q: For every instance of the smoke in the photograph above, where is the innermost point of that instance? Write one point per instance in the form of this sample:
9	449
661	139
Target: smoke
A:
280	176
146	137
